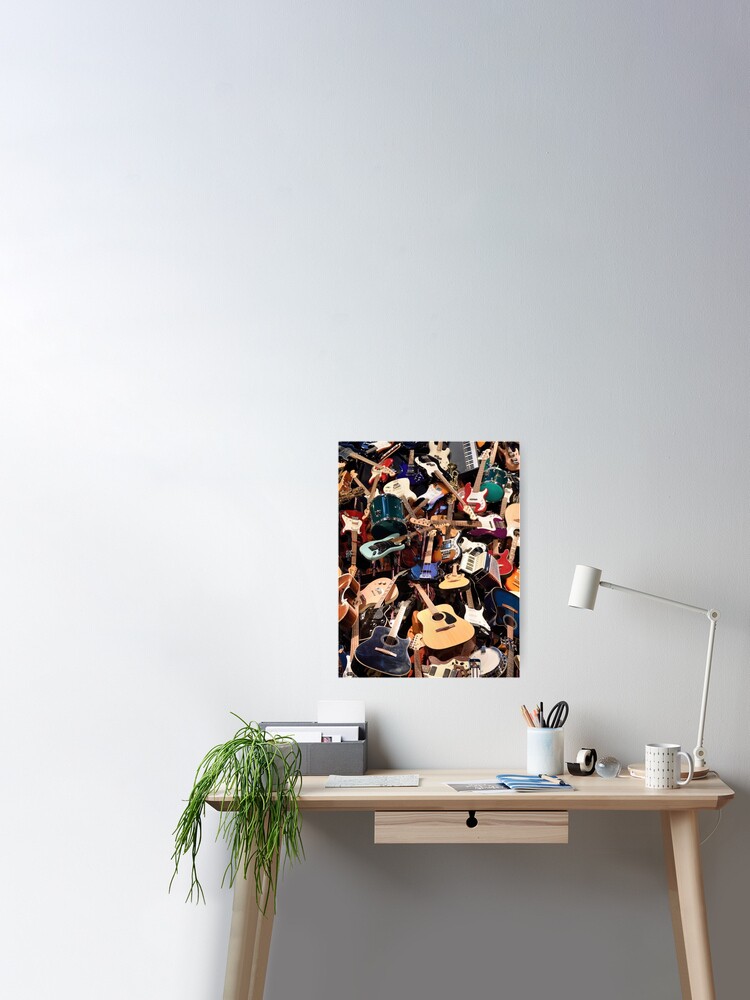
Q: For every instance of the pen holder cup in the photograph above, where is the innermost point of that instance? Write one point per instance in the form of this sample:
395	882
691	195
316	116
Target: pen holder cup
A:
545	751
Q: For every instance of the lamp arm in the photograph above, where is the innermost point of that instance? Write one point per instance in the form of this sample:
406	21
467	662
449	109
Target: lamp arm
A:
699	753
654	597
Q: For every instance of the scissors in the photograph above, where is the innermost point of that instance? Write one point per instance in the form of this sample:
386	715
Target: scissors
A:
557	716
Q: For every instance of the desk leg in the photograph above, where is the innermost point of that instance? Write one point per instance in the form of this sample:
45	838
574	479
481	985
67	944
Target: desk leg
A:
687	903
249	944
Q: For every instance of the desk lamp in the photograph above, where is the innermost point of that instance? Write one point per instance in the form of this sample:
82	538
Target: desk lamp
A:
583	593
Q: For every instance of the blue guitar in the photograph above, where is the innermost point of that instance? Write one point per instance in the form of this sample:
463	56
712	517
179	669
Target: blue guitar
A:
427	569
379	548
384	654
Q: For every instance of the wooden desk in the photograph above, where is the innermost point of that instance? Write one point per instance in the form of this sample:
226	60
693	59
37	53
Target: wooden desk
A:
433	813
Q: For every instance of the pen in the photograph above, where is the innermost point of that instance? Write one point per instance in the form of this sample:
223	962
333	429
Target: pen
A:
553	778
541	715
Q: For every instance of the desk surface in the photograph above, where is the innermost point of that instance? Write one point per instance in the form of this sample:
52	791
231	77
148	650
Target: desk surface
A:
592	793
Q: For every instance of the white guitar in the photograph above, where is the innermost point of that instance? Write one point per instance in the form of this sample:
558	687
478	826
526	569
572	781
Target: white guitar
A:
453	668
400	488
473	615
440	454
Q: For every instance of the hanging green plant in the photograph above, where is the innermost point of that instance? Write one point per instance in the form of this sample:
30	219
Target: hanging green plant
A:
257	777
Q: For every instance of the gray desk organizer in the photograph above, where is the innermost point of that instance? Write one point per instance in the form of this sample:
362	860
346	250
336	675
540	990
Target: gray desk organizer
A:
331	758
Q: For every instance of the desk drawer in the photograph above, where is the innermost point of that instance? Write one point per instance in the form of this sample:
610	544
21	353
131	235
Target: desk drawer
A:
490	828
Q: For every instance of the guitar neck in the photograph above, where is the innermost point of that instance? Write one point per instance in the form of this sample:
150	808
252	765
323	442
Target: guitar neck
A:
513	547
428	549
398	620
480	473
359	483
423	594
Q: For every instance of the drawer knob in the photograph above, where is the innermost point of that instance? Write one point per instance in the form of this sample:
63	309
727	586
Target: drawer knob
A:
472	821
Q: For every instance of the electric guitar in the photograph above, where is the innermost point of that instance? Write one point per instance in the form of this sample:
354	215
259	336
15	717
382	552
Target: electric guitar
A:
400	488
441	627
381	547
473	615
476	498
489	526
453	668
351	520
347	671
380	470
432	494
376	445
440	454
427	570
433	470
512	581
348	583
409	470
506	558
384	654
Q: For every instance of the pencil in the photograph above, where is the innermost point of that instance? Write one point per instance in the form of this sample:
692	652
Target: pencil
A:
527	717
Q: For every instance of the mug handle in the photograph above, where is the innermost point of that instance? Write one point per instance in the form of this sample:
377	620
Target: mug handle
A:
689	759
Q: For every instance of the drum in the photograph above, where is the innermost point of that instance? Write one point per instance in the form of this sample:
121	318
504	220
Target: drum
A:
494	482
387	516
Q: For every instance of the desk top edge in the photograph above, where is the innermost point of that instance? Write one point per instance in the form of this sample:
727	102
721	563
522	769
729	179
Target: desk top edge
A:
591	793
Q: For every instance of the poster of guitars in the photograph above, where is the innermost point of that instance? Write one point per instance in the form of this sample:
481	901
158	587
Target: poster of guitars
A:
429	559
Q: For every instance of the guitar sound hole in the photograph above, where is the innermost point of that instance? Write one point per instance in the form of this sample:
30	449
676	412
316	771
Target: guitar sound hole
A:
390	640
438	617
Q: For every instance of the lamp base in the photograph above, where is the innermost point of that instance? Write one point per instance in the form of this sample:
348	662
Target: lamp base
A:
639	771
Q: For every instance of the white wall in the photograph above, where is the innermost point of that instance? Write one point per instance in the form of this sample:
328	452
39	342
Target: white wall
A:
231	234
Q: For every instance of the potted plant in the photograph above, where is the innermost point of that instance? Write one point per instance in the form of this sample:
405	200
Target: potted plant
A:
255	779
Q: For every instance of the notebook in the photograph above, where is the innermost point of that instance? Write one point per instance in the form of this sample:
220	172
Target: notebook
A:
533	783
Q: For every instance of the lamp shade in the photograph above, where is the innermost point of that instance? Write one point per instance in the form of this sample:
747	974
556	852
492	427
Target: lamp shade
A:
585	587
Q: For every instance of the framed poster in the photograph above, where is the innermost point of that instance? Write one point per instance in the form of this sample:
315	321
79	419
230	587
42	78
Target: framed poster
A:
429	559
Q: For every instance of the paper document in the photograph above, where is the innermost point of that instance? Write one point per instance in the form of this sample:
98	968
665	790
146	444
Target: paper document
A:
371	780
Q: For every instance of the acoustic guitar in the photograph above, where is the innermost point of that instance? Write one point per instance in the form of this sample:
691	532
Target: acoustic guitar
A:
454	581
441	627
384	654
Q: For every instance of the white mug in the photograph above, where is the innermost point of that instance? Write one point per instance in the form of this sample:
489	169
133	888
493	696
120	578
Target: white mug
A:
661	765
